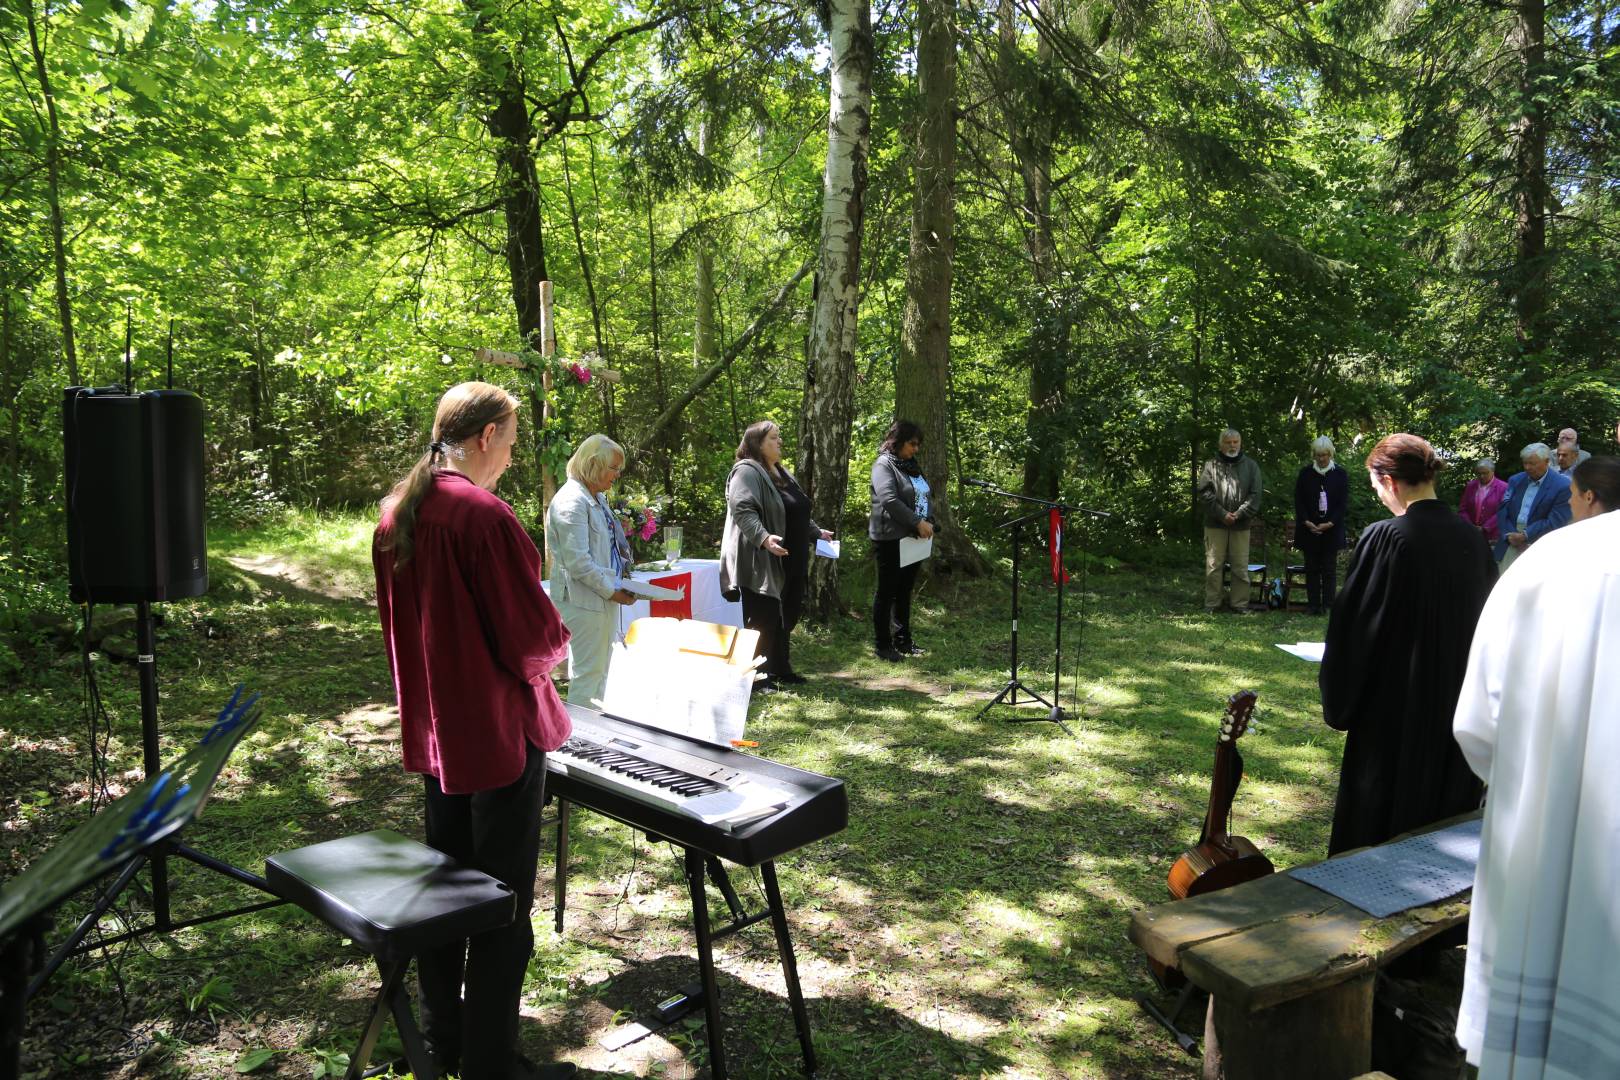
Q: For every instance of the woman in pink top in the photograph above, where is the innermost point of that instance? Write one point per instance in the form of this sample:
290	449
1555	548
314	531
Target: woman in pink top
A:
1482	498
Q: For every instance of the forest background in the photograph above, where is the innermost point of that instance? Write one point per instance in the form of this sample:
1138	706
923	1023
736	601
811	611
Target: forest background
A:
1081	237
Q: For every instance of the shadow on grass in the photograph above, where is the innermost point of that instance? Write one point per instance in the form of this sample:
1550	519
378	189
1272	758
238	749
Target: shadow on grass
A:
854	1038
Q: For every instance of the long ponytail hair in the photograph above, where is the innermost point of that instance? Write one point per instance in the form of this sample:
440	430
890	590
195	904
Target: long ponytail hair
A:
464	411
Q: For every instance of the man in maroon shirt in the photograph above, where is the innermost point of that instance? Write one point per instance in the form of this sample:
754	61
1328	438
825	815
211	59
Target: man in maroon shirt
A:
471	641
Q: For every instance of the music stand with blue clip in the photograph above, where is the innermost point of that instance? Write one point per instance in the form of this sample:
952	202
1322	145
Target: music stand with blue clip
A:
119	840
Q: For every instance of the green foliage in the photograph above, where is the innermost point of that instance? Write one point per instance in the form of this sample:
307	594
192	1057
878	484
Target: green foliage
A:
1294	220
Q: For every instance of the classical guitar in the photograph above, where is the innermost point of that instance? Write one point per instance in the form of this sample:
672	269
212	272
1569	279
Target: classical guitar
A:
1219	859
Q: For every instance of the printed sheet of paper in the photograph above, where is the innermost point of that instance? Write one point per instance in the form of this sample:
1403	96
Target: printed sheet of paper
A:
915	550
1305	650
829	549
648	591
1405	874
703	697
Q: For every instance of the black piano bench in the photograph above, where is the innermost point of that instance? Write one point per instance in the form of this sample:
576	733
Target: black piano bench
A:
394	898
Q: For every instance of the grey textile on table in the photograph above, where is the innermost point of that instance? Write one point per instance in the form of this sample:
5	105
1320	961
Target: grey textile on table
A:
1406	874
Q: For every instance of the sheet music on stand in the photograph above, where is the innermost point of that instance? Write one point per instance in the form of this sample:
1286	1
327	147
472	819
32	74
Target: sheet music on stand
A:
703	697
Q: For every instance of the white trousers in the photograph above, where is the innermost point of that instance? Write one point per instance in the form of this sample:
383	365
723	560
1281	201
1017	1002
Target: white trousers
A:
590	647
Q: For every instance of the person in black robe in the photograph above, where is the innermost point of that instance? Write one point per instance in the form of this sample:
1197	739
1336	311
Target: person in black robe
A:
1397	648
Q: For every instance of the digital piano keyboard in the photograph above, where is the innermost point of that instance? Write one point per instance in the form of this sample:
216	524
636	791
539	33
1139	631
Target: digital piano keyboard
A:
711	798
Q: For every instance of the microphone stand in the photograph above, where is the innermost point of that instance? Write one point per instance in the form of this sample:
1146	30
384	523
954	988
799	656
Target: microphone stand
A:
1009	691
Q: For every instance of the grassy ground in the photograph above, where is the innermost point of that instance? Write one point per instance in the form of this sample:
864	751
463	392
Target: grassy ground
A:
969	923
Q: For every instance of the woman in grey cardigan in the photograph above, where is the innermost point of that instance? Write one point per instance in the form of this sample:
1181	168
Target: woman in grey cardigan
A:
899	510
766	546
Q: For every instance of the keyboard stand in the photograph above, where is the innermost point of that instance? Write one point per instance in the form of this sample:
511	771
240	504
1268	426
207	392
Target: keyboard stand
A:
700	866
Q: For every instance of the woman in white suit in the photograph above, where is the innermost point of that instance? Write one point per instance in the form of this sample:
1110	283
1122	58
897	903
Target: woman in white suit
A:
589	557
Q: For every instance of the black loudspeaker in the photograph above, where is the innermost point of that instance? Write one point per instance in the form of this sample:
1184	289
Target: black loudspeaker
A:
135	515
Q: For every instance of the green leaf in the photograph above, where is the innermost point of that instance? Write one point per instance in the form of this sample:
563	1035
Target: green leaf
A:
144	84
254	1059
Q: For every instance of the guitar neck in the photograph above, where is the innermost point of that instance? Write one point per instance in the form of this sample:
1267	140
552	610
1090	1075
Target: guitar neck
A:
1222	789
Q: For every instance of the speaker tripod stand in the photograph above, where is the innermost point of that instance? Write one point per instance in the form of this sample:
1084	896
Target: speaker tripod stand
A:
157	858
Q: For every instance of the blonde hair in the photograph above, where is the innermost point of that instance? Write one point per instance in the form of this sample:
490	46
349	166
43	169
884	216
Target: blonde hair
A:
593	458
464	411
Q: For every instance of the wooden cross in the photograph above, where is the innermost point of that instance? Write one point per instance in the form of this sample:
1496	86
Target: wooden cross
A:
548	352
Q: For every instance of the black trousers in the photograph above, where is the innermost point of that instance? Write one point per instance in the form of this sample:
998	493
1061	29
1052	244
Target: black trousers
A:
471	989
764	613
1321	575
891	607
793	600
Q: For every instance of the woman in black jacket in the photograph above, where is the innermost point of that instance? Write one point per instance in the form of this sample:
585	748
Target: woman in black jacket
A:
899	510
1321	498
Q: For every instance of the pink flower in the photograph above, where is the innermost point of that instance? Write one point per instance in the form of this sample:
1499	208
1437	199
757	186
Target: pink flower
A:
582	373
649	525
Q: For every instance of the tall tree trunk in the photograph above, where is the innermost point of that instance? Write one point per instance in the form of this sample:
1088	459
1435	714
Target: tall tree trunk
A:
584	260
830	403
705	346
922	372
609	420
667	439
53	194
609	396
705	324
1530	181
509	123
12	392
1029	125
258	402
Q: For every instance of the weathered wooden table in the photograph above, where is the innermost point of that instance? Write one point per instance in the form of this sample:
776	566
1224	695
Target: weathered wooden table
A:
1289	970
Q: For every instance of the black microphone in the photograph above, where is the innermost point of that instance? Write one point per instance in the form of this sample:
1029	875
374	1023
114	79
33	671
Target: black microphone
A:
979	483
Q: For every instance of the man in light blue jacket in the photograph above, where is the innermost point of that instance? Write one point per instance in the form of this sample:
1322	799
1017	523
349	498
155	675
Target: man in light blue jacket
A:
1537	503
589	557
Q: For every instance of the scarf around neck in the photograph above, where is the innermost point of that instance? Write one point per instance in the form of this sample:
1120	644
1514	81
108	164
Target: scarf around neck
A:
909	465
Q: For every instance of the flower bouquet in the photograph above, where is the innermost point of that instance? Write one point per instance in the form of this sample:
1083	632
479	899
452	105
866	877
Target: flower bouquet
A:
640	514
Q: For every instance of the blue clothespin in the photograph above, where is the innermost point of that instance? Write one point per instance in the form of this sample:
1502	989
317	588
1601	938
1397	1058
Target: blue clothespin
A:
231	716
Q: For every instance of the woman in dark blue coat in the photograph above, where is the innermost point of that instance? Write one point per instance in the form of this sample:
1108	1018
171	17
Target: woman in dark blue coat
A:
1321	497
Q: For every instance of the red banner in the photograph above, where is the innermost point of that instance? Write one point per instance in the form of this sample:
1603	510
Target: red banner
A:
1054	539
672	609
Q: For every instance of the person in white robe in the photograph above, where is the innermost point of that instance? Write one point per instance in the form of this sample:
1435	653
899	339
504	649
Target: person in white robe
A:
1539	721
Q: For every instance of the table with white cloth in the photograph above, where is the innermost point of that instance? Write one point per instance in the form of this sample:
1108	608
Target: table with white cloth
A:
703	600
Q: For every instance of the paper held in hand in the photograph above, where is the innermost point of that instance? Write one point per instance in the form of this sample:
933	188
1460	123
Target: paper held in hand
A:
915	550
650	592
829	549
1305	650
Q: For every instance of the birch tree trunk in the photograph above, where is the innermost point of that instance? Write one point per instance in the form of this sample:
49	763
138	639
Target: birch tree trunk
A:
830	397
922	372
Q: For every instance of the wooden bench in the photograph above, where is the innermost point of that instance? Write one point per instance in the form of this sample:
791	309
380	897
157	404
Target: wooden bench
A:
1289	970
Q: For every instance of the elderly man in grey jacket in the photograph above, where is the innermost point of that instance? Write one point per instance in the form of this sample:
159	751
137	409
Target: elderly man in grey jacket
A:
1229	494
